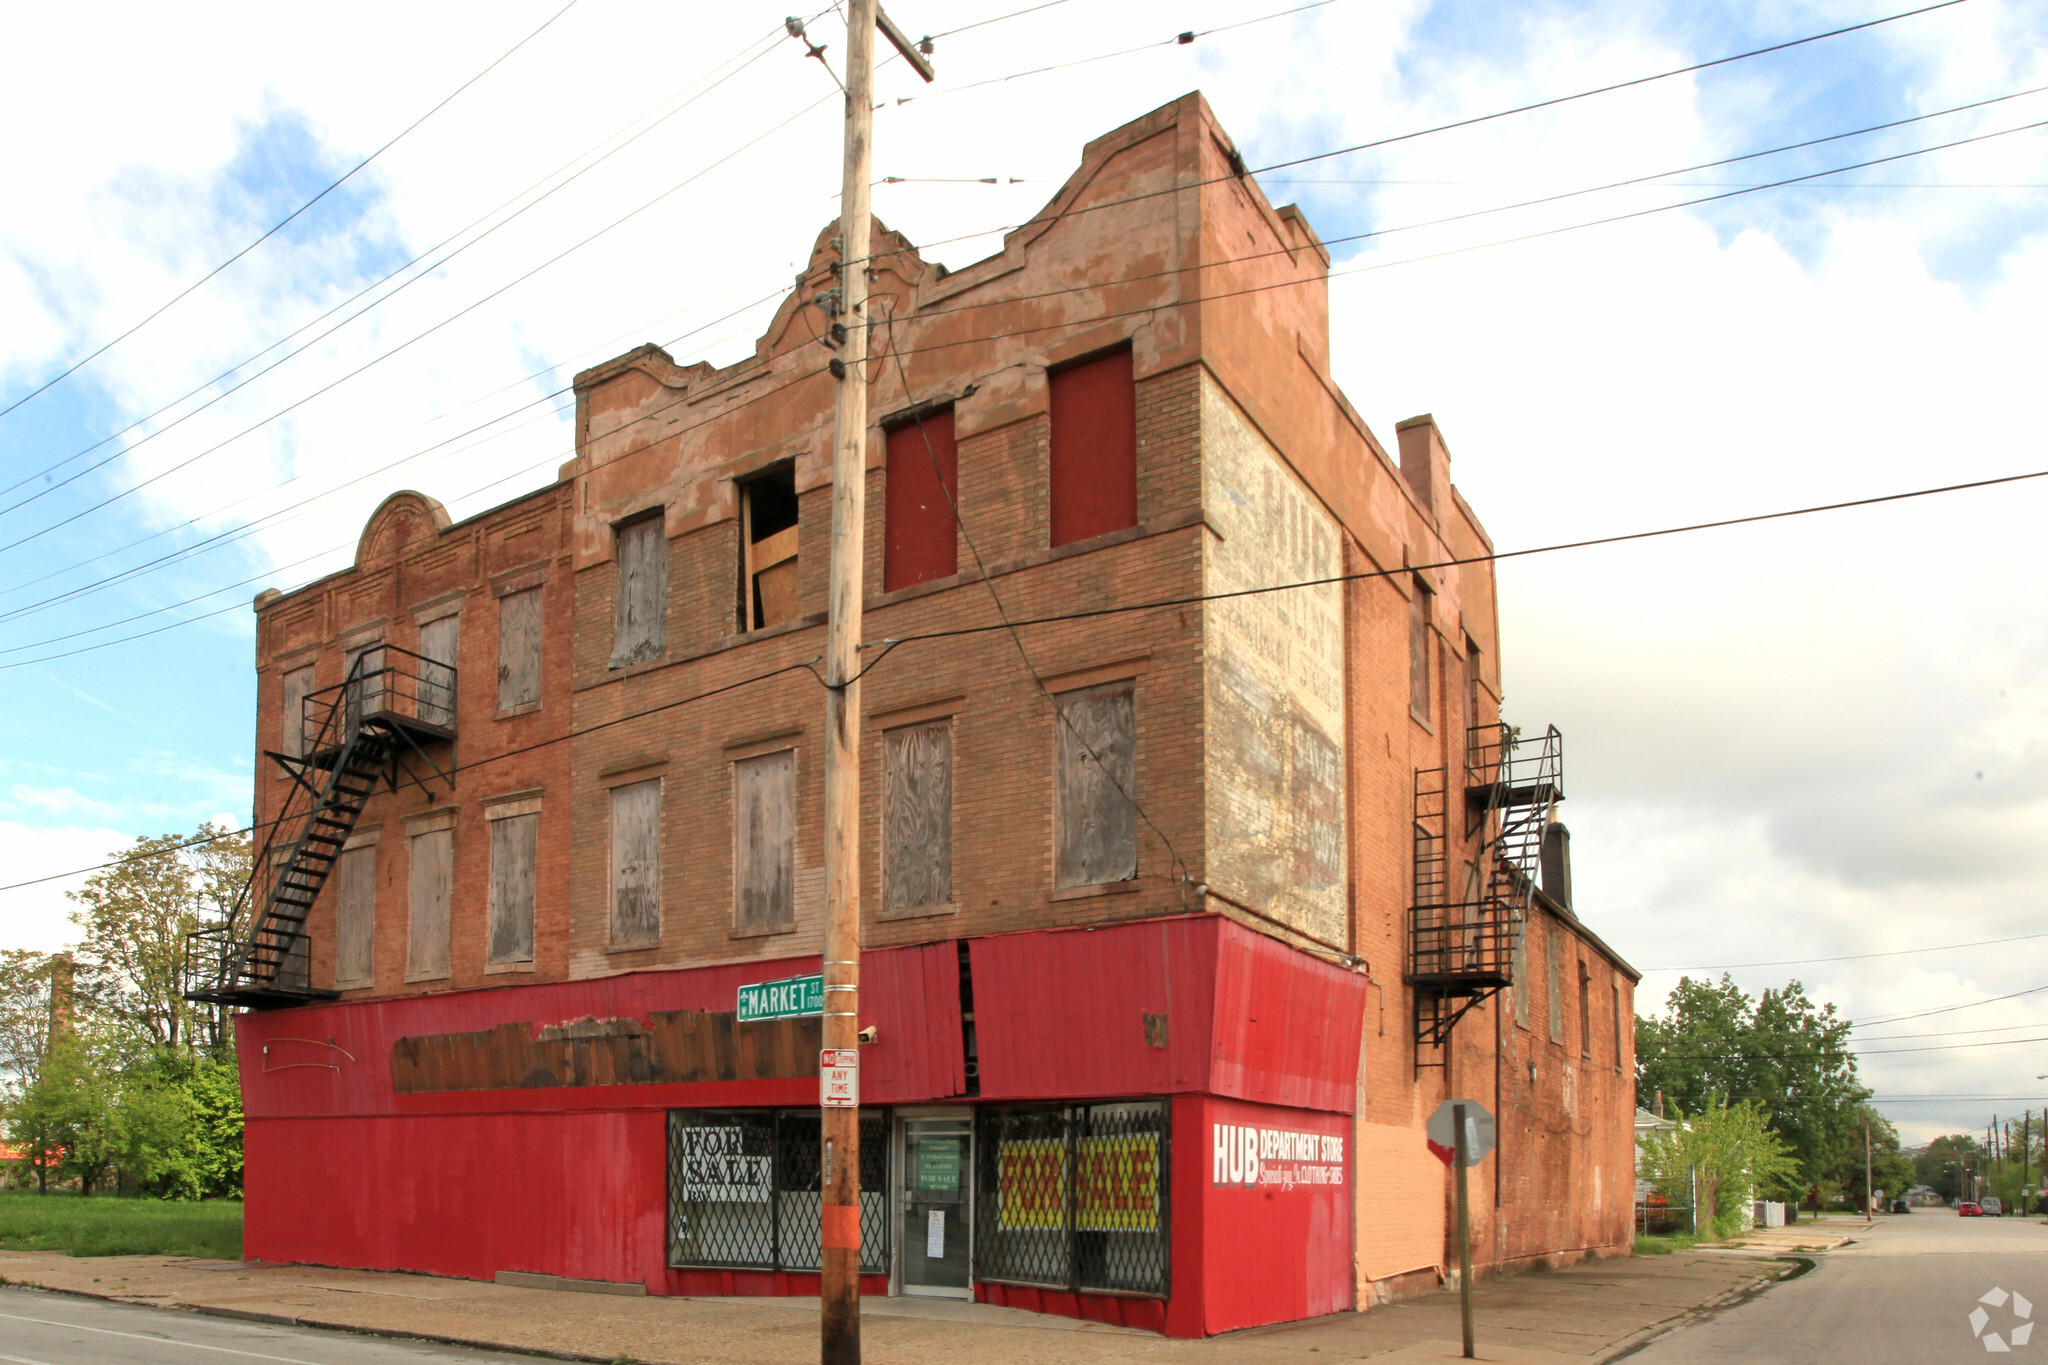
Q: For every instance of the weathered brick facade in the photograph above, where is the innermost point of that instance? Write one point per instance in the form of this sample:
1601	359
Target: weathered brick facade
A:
1276	735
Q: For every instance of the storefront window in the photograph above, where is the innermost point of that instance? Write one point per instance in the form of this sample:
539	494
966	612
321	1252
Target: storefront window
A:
743	1189
1074	1198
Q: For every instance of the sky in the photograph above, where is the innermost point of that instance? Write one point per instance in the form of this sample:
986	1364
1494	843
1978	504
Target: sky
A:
1794	744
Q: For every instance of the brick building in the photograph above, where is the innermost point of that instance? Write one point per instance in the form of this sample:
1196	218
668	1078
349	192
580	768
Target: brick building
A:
1169	911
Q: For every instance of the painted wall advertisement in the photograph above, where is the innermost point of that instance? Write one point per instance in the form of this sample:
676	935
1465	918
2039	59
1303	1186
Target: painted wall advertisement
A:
1279	1158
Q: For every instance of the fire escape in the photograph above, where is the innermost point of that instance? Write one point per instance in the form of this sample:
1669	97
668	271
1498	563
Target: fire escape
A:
1465	925
384	725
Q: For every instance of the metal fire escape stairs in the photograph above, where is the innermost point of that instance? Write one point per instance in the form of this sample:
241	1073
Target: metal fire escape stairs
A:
1463	950
383	725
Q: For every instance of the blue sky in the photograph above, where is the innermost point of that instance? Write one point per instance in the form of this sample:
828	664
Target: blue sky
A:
1775	733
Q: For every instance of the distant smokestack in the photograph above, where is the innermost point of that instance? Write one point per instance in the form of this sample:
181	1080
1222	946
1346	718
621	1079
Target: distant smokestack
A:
1557	863
1659	1110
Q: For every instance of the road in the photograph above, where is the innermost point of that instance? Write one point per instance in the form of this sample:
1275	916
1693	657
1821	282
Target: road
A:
1902	1294
55	1329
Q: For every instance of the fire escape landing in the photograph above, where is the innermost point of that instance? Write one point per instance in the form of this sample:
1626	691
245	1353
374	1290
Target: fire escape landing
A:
1463	938
389	722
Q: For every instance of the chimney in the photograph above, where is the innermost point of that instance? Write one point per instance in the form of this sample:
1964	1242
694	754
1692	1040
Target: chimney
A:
1557	863
1425	463
1659	1110
63	983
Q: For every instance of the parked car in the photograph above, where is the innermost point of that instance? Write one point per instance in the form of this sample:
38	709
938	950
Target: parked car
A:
1968	1209
1990	1206
1901	1206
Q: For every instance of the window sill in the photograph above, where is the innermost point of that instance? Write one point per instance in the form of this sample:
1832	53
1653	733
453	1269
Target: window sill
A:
523	709
1075	893
495	968
919	911
421	978
762	933
367	984
644	946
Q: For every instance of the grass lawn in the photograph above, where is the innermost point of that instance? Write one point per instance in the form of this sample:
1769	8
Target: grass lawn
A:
1664	1245
106	1226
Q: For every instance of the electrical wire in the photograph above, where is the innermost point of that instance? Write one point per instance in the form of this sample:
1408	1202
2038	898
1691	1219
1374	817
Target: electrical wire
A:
380	359
1850	957
427	273
279	226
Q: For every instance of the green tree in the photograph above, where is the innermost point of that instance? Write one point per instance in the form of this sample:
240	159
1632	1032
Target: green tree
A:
135	916
29	984
1789	1056
1732	1153
1945	1163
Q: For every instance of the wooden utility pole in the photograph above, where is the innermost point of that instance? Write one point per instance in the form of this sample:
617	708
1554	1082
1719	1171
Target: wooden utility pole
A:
1869	1209
839	1229
839	1225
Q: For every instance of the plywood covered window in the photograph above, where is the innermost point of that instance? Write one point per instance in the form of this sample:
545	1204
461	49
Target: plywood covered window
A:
1521	977
636	864
1418	649
1095	786
429	880
1585	1011
1614	995
364	674
439	641
640	603
515	848
294	739
917	816
1094	466
768	544
764	842
920	542
1553	952
519	649
355	916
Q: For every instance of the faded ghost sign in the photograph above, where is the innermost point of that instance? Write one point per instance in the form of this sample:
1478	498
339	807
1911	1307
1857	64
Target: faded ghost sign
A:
1275	682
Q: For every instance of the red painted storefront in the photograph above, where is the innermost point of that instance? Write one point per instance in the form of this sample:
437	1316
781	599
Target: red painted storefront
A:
1254	1046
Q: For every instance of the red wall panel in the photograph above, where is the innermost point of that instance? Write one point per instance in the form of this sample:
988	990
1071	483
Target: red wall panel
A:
1275	1230
919	538
1061	1015
1094	475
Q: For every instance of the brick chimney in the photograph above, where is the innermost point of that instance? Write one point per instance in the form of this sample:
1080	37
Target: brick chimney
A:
1425	462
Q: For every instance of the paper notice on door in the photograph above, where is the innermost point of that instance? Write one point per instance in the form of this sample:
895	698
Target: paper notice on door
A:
935	1235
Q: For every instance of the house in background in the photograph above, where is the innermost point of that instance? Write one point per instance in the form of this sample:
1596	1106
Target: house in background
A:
1186	901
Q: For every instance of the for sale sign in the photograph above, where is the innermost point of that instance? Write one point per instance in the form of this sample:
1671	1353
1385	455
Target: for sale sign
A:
839	1078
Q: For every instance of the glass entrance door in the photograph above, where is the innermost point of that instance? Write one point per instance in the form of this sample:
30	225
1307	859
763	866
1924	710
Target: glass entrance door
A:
937	1183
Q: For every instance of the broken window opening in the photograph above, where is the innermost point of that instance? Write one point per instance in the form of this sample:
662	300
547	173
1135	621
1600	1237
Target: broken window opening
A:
768	545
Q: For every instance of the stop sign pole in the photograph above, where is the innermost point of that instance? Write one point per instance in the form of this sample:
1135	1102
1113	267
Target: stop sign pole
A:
1464	1231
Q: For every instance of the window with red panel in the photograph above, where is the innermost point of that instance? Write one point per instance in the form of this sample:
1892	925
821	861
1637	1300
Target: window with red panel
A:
919	542
1094	447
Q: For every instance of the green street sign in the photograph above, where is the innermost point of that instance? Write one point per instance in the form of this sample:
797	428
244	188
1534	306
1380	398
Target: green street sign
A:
790	998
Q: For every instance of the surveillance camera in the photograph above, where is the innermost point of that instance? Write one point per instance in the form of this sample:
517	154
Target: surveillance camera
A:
870	1033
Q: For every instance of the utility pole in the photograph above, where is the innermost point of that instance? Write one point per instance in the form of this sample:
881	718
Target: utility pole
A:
839	1224
1459	1151
1869	1209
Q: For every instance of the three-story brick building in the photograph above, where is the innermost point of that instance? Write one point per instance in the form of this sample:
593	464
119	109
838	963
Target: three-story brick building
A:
1176	876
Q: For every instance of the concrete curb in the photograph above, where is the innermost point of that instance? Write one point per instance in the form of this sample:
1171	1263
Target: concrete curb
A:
316	1324
1699	1312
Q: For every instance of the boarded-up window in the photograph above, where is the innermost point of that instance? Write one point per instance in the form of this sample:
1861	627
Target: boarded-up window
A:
917	816
428	881
355	917
519	649
764	842
640	608
636	863
1614	994
515	842
768	543
439	640
1521	972
1585	1011
1553	952
1418	650
294	739
919	539
365	677
1094	475
1096	786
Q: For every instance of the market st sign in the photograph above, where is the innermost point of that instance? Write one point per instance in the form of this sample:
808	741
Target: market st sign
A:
790	998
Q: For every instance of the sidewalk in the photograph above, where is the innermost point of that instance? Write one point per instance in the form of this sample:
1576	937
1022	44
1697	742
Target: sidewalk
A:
1546	1318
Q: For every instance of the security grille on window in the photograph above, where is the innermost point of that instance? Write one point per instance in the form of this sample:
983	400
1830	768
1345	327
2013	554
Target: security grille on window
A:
1075	1198
743	1189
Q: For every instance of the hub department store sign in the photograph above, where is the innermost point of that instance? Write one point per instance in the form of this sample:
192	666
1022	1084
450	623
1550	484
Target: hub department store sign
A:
1275	1157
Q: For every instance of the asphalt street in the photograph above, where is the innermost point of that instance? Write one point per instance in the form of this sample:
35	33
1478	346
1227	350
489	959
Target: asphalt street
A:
55	1329
1904	1293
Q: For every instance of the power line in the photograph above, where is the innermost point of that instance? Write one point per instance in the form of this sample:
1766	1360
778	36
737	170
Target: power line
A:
426	273
1460	123
1850	957
377	360
984	23
101	350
